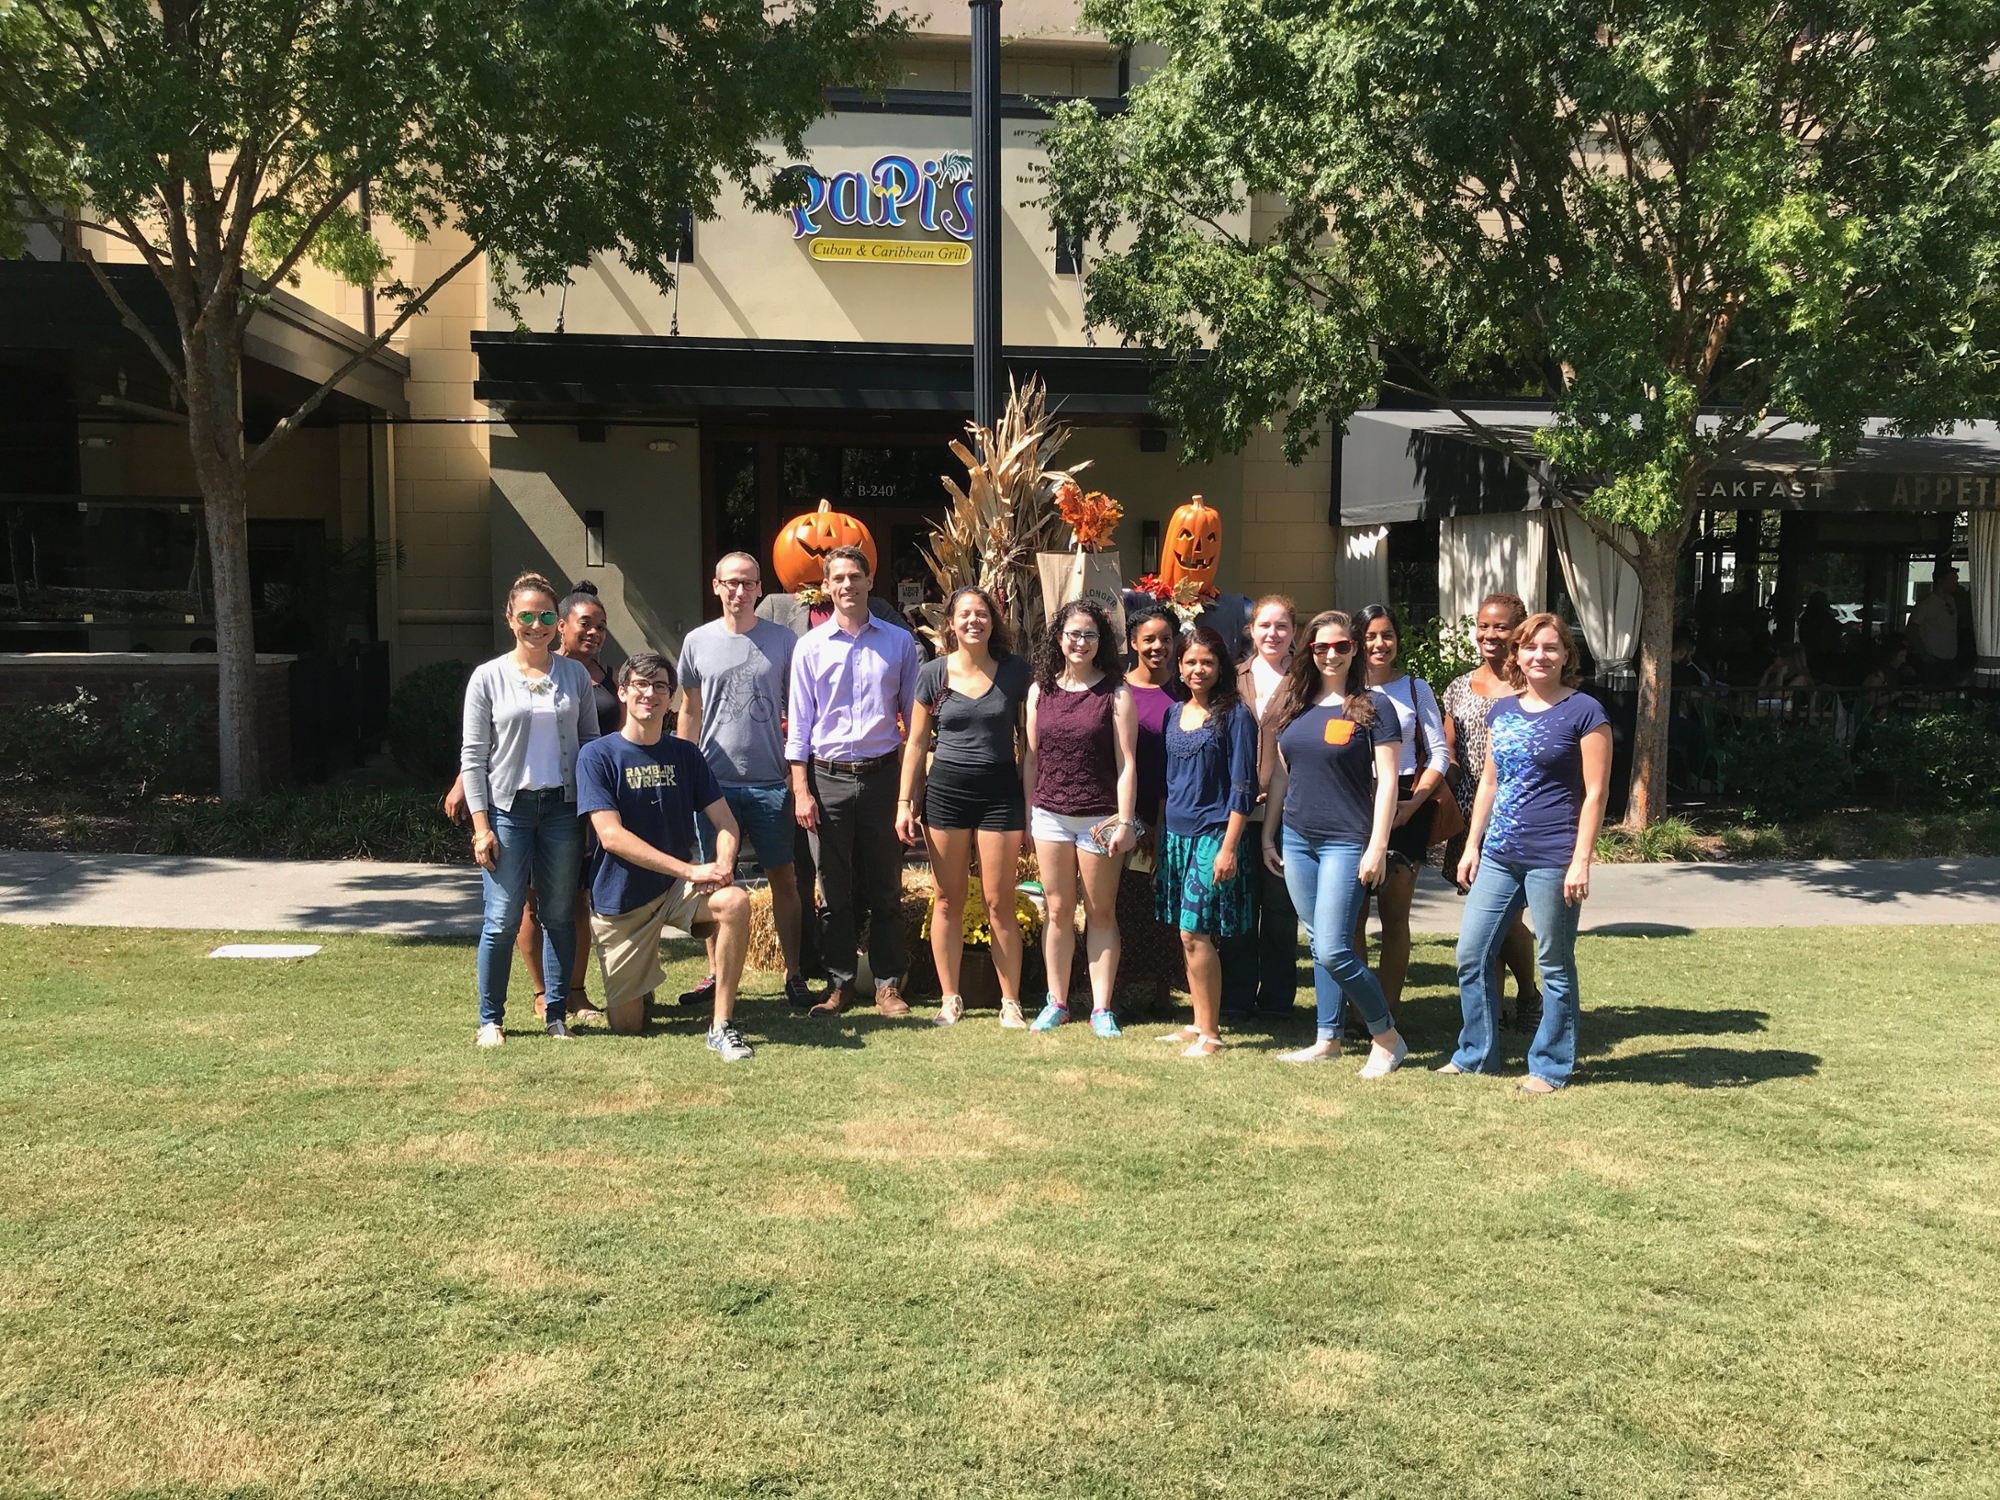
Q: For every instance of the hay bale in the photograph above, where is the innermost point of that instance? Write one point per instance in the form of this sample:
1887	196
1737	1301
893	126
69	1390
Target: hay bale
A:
765	954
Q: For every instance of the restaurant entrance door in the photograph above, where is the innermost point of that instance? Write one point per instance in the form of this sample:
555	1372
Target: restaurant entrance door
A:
890	480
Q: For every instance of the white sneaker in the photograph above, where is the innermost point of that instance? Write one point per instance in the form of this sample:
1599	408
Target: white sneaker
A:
1381	1064
490	1035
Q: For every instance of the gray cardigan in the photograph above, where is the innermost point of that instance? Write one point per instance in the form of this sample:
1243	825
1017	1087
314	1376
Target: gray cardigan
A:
498	706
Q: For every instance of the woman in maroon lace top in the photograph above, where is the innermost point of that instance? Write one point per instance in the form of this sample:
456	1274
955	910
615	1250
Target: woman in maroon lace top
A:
1081	775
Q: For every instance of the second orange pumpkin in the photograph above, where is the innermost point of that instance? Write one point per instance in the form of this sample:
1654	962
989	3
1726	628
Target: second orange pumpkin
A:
1193	544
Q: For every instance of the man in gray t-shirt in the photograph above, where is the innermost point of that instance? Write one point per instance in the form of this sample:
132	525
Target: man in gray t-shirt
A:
736	683
734	673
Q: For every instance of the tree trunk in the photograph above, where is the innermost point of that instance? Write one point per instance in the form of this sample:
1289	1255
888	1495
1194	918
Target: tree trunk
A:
1659	557
215	437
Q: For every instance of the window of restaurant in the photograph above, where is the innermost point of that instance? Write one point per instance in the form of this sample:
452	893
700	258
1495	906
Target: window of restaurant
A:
892	485
77	563
1841	584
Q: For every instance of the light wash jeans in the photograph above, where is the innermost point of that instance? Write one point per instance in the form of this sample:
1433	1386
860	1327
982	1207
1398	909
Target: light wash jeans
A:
539	838
1497	895
1324	880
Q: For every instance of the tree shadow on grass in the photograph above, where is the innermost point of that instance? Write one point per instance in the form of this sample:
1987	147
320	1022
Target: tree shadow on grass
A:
1706	1067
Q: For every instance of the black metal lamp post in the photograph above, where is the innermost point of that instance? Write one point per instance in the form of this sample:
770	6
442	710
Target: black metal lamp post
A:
989	201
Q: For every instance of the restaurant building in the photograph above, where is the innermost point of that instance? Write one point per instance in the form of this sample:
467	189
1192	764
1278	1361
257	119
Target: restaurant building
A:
632	436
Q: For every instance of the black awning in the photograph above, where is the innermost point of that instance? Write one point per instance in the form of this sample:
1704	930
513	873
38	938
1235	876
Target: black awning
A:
575	375
56	318
1401	465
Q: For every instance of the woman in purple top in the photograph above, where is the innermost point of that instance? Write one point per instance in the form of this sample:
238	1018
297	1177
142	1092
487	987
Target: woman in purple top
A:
1082	781
1151	950
1530	839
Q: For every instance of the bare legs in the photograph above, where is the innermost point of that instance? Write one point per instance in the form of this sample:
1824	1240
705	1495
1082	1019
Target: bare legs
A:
1204	971
1065	868
528	943
999	856
1392	903
1517	954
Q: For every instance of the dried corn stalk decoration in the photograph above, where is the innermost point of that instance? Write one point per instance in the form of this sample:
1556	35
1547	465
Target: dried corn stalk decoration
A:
1005	513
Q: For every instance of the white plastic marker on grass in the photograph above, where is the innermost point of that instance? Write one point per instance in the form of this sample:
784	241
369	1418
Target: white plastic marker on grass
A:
266	950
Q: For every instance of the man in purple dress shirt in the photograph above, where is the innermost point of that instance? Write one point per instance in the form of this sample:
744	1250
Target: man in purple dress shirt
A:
854	681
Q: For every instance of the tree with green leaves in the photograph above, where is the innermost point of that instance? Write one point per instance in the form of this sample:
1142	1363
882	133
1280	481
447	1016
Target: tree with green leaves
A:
226	142
1683	222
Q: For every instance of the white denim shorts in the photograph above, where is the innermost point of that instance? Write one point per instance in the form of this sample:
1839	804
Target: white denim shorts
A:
1059	828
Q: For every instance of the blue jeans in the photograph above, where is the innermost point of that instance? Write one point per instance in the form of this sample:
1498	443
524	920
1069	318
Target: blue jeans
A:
1497	895
539	839
764	822
1324	880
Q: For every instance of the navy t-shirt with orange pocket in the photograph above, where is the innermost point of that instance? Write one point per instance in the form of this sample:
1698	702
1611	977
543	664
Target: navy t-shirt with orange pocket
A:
1330	771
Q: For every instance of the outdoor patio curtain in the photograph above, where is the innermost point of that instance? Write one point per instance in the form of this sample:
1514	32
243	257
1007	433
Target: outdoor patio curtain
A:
1361	568
1984	584
1481	555
1603	587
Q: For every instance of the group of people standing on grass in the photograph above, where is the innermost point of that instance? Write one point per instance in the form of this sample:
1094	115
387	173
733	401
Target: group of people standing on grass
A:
1195	811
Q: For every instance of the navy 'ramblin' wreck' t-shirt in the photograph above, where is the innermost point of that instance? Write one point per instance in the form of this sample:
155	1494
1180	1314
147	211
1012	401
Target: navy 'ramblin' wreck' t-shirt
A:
655	790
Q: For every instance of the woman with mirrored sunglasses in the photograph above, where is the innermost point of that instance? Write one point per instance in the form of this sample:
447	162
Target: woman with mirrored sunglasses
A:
526	715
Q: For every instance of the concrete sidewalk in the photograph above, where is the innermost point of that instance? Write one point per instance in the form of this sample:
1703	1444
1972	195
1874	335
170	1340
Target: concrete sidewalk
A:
248	895
239	895
1666	899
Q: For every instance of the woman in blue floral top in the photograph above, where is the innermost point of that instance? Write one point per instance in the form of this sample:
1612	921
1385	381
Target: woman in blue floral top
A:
1529	841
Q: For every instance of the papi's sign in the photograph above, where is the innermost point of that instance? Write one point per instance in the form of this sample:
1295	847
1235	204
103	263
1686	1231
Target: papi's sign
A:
895	193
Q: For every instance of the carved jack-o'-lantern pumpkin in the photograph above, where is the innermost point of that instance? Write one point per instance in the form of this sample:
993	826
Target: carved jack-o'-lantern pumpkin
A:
804	541
1193	544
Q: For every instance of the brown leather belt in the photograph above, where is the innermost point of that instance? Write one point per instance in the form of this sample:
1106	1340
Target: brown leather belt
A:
857	767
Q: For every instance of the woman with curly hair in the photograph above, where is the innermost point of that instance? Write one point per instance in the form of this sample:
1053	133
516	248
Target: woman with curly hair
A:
1529	841
1466	703
1211	791
1326	825
1081	775
973	696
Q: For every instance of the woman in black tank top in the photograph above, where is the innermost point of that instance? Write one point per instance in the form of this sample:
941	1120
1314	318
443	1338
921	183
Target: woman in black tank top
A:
970	791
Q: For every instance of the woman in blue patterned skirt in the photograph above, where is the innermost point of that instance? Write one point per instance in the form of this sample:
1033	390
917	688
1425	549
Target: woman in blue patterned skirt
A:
1200	887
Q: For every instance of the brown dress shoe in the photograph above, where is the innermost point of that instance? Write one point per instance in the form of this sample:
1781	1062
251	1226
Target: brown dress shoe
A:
835	1001
889	1001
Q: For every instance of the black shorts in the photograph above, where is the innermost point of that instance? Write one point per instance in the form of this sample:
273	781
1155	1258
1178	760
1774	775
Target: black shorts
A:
989	800
1413	839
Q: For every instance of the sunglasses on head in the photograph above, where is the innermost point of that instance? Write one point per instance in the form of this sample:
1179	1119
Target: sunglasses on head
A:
1336	648
531	617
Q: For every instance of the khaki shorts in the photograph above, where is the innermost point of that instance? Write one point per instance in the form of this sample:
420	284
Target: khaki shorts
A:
630	942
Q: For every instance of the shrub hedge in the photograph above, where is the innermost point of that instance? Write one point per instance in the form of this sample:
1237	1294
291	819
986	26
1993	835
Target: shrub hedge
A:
426	722
145	747
1945	760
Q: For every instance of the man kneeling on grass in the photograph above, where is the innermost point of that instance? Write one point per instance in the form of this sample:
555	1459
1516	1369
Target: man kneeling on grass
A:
641	789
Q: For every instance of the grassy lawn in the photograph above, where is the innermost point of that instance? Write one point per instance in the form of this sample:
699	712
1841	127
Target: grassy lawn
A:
279	1229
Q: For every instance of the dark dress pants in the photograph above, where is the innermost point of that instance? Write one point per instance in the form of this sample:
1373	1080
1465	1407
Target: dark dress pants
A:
1260	968
860	863
806	867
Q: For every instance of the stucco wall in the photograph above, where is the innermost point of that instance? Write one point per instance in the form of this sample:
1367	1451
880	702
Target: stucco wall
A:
543	480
